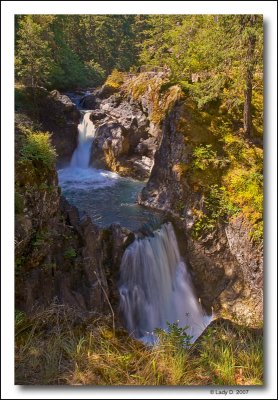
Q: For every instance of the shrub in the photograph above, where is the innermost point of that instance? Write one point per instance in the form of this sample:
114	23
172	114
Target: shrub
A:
95	72
246	192
40	238
115	79
19	261
217	206
70	253
175	336
204	157
37	147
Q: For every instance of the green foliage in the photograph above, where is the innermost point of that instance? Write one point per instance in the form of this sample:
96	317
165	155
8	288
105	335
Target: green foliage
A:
222	353
217	206
246	192
40	238
212	58
223	158
38	241
70	51
33	61
19	317
175	335
22	102
37	147
70	253
204	156
96	73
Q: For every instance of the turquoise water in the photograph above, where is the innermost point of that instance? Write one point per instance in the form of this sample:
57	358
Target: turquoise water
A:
105	196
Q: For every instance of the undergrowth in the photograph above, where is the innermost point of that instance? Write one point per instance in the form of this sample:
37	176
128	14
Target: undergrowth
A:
224	167
58	347
36	147
115	79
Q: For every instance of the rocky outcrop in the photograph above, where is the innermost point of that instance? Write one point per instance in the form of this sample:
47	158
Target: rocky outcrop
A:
58	115
226	265
222	279
164	188
123	142
77	264
66	266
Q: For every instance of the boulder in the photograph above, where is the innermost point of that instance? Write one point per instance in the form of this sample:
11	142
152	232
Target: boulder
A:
106	91
90	102
122	142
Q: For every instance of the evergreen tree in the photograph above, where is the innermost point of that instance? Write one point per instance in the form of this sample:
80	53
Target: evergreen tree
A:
33	61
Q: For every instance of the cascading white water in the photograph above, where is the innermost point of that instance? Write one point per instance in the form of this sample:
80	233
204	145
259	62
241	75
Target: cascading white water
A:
81	155
104	195
155	287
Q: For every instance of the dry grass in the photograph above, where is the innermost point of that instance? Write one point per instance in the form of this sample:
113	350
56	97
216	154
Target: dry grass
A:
57	346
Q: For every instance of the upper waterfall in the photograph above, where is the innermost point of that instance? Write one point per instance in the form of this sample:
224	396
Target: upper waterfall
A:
155	286
86	130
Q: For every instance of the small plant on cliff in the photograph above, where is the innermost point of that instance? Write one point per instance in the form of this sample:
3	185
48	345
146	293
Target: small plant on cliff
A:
37	147
245	189
41	238
70	253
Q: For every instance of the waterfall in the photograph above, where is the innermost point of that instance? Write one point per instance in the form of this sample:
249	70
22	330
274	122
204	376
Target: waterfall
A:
155	287
86	130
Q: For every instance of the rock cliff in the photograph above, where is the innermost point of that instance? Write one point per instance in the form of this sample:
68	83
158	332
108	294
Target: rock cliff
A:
227	266
55	113
58	256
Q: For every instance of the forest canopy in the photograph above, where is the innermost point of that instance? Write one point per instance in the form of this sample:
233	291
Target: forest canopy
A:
210	57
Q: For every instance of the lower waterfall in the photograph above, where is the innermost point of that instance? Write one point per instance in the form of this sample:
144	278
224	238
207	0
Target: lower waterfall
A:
86	130
155	287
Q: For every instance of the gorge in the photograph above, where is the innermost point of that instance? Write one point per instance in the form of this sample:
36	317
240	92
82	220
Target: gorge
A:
153	278
109	196
138	205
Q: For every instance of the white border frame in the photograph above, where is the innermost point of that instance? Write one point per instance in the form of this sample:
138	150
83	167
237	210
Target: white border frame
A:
9	8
